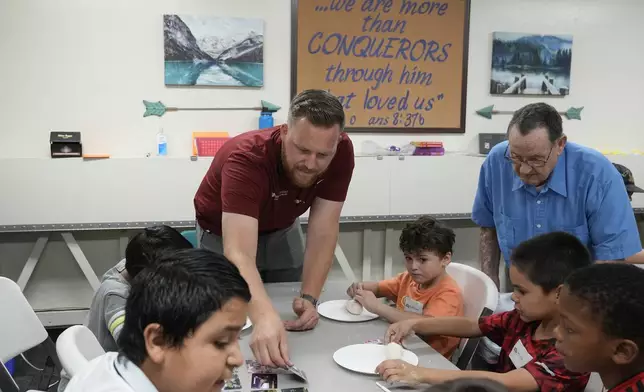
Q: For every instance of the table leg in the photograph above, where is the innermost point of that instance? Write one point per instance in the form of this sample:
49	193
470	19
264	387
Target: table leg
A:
81	260
344	263
389	259
366	255
32	261
123	245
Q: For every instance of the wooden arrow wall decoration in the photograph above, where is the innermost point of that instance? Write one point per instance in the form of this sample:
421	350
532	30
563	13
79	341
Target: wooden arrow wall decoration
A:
159	109
487	112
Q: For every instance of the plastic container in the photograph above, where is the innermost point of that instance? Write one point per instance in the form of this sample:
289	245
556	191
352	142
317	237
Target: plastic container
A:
162	144
266	120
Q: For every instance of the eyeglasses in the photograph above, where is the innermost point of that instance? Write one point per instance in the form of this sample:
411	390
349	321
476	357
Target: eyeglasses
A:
533	163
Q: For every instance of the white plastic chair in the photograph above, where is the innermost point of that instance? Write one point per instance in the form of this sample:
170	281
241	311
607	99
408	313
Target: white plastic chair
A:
76	346
480	298
20	329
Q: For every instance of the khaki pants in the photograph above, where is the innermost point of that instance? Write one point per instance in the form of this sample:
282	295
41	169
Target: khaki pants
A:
280	254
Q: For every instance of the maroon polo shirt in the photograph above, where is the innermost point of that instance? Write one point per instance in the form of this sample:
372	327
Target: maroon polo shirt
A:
246	177
547	365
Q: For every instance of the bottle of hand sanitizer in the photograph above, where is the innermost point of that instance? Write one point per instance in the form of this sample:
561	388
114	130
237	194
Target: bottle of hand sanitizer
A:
162	143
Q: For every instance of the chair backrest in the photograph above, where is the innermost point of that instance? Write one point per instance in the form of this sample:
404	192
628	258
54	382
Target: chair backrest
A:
190	235
20	328
480	298
75	347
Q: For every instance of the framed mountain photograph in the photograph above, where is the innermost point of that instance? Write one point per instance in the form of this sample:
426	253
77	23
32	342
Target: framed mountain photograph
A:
213	51
531	64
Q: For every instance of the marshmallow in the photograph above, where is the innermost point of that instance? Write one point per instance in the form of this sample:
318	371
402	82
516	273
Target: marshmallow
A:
393	351
354	307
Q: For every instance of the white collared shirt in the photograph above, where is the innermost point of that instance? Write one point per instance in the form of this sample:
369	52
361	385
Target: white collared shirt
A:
109	373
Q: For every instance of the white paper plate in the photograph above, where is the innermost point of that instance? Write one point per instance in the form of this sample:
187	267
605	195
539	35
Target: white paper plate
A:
365	358
336	310
247	325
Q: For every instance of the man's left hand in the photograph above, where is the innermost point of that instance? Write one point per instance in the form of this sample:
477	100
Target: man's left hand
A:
307	316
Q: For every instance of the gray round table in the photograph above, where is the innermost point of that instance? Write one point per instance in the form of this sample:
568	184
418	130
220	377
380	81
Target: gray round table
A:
312	351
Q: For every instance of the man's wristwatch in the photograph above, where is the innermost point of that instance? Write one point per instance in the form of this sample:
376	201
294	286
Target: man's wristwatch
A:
310	298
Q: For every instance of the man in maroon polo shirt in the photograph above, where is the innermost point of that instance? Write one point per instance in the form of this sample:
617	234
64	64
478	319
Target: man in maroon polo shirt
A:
249	203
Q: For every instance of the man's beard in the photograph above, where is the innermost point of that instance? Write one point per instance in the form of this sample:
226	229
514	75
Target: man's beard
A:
290	173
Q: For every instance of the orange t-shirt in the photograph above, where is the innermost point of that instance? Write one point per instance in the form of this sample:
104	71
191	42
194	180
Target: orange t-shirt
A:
442	299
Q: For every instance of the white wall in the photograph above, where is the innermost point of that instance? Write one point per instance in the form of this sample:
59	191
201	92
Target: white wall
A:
87	66
81	65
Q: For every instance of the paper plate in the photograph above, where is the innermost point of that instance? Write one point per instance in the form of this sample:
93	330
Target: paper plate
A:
247	325
336	310
365	358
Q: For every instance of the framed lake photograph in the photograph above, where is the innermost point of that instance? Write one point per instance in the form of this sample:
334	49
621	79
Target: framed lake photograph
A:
213	51
531	64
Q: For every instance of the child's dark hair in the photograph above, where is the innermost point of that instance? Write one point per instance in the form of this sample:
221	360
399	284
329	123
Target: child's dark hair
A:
549	258
427	234
468	385
614	295
143	247
179	293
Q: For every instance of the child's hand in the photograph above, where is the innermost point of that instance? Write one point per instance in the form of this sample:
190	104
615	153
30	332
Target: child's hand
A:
399	371
398	331
367	299
351	291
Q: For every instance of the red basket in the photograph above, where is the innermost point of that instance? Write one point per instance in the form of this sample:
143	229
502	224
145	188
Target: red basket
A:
208	146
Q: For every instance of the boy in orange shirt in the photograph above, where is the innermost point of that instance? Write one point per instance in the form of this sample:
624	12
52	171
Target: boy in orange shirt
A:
425	289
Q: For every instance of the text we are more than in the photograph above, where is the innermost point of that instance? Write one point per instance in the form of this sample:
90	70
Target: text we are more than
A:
407	7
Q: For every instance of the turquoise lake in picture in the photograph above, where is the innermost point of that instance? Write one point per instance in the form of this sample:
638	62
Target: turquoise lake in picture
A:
193	73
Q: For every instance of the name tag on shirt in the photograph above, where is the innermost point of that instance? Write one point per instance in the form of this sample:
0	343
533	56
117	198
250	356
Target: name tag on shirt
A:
413	306
519	355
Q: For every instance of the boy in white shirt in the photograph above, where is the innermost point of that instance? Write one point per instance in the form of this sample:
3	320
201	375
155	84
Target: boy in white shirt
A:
181	333
107	311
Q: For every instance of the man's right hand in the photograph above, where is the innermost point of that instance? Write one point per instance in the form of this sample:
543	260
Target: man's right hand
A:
398	331
268	341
